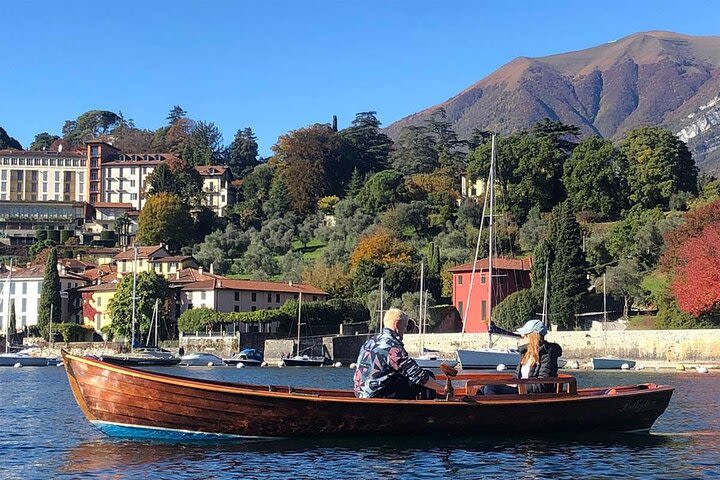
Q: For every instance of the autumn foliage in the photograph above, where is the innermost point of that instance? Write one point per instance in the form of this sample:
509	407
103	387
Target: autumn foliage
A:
693	226
696	285
381	246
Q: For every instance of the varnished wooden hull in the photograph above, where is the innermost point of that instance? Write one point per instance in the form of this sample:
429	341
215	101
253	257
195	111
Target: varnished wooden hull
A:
133	403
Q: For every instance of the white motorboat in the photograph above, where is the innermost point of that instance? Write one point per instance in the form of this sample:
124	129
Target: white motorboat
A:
201	359
488	358
25	360
432	360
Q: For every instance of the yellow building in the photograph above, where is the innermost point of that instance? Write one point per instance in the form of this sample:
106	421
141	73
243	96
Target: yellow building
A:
96	299
155	258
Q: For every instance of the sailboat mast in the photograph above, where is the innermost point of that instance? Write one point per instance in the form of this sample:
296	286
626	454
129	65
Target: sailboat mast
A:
8	308
420	306
545	294
157	323
134	286
382	294
298	332
491	186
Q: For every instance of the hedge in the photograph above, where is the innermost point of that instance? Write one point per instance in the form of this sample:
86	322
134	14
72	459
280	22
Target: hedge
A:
516	309
198	319
72	331
335	311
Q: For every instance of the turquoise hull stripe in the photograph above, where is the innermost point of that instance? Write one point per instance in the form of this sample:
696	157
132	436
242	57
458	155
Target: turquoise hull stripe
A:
138	432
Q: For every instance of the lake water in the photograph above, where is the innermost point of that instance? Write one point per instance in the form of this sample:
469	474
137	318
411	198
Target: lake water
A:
44	435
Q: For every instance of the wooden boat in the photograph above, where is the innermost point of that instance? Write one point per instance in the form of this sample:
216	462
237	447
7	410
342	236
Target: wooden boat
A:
125	402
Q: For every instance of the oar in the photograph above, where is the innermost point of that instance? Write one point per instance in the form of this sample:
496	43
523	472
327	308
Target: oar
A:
449	373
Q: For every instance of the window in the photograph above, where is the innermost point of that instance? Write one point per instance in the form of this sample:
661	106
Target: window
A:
482	279
237	296
269	297
460	309
202	295
253	308
314	298
99	301
237	308
277	298
459	279
132	170
483	306
132	183
23	305
24	288
254	297
133	196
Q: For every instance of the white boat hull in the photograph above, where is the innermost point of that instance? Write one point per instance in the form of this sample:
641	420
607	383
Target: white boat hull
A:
434	362
11	359
611	363
488	359
201	360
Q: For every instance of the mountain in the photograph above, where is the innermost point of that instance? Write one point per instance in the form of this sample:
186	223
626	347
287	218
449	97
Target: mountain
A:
650	78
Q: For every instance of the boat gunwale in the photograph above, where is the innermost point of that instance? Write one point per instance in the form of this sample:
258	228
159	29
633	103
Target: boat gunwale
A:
326	395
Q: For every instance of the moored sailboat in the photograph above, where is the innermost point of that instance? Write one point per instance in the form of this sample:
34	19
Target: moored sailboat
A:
300	359
607	362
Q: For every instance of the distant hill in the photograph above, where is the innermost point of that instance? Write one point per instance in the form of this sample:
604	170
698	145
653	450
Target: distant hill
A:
650	78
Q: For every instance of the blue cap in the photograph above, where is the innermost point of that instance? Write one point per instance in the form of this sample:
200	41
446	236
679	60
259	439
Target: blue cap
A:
531	326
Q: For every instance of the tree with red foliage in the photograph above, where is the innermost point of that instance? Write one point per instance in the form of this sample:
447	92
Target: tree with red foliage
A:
693	226
696	285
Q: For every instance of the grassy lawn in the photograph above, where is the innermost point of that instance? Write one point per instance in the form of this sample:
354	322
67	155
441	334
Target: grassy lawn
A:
312	251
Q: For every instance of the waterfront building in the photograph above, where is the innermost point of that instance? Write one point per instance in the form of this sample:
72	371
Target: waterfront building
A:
191	288
24	292
509	275
37	188
154	258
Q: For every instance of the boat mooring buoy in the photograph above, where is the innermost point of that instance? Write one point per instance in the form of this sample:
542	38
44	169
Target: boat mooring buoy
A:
337	365
240	365
625	366
280	364
680	367
574	365
353	365
501	367
639	367
264	364
701	369
210	364
17	365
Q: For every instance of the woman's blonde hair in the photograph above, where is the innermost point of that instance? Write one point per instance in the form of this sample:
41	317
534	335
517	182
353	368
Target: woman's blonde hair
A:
532	355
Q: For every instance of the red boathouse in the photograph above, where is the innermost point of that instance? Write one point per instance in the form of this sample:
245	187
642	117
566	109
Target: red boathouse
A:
509	275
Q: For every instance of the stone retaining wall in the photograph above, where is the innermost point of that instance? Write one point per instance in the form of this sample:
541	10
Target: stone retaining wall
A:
647	345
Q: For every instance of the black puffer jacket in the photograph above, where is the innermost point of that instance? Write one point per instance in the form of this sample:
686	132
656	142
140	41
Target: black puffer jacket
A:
548	366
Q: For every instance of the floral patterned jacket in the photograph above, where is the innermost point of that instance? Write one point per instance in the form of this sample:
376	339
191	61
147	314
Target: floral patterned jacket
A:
384	365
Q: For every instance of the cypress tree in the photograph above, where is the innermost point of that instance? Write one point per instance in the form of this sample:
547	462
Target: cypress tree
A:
12	325
355	184
50	294
567	268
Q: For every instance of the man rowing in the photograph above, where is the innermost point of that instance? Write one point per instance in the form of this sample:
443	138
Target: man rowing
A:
384	368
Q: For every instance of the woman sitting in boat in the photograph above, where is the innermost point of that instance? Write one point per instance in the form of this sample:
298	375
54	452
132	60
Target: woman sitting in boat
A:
384	368
538	359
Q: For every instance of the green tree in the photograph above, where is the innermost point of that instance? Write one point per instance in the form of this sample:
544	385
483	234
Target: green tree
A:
659	165
382	191
176	113
49	294
562	135
532	230
593	180
516	309
624	281
278	202
242	154
449	149
149	287
90	125
8	142
415	151
314	162
165	219
204	146
12	324
370	146
567	270
221	247
43	141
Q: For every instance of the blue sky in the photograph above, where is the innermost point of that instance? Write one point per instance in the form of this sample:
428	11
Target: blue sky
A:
280	65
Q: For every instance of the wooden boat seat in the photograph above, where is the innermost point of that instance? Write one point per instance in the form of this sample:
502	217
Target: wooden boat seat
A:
564	384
